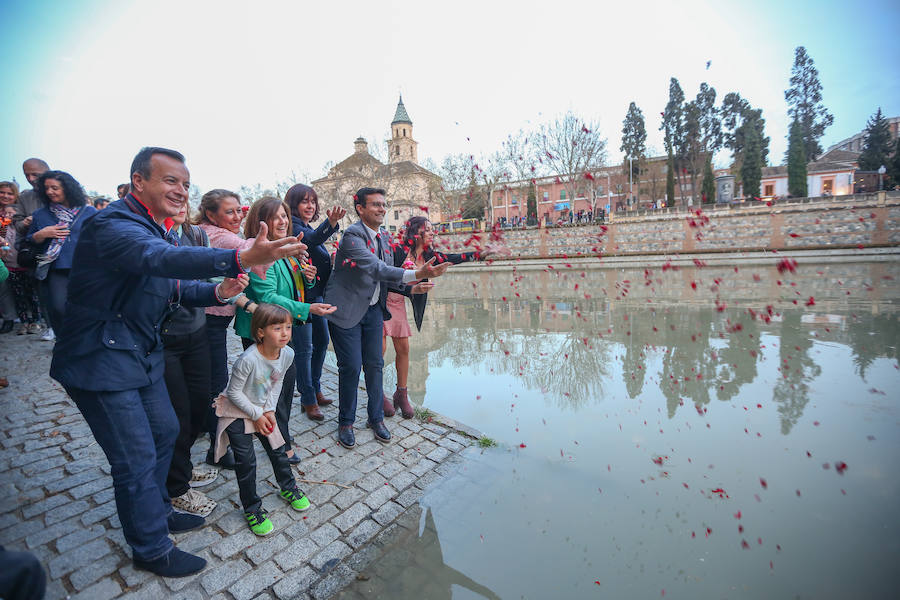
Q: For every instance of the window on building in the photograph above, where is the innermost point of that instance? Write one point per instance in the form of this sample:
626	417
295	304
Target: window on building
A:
392	228
769	189
397	150
546	197
396	215
404	132
828	186
515	200
562	194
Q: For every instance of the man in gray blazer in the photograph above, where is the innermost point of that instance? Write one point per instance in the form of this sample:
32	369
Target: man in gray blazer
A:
358	286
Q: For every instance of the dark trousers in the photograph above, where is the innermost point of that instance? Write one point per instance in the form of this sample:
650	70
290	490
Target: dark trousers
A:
53	291
359	347
24	289
217	334
245	465
21	577
187	379
303	348
136	430
319	348
285	400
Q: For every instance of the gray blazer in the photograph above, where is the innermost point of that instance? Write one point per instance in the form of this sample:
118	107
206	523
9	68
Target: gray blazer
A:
356	270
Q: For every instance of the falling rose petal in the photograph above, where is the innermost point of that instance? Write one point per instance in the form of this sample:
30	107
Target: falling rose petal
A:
745	545
522	446
763	483
840	466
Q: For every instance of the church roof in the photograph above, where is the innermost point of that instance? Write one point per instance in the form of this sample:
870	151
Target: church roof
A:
401	116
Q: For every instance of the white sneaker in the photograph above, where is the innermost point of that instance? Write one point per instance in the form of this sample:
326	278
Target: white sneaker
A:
201	476
48	336
195	503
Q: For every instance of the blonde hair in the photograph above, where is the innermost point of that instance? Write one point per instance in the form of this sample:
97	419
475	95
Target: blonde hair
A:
12	186
210	202
267	314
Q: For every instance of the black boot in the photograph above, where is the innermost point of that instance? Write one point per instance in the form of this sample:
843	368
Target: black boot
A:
226	462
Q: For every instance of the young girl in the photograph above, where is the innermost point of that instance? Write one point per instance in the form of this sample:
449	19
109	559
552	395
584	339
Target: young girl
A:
248	407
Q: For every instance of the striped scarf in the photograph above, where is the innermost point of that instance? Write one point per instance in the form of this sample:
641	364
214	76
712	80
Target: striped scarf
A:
65	216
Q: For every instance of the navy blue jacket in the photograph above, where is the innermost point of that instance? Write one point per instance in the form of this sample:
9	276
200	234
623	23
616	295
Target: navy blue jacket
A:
315	241
122	286
42	217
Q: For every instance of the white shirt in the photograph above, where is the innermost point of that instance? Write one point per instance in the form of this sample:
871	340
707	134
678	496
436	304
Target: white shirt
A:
408	274
256	382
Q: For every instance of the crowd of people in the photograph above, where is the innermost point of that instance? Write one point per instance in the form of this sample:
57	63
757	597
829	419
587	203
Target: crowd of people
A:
139	295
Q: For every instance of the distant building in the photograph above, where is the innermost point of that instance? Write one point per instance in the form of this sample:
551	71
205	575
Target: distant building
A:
856	142
832	175
411	189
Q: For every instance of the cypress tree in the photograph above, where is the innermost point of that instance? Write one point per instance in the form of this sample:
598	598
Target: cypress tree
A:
670	180
877	147
708	190
796	162
751	169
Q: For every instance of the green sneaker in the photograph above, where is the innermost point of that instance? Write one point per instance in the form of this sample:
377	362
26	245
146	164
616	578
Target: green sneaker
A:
300	502
259	523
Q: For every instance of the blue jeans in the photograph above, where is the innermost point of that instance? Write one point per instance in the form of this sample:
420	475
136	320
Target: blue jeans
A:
137	430
359	347
303	347
319	347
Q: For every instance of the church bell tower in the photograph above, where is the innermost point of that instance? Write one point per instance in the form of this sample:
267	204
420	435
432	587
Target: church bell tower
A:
402	146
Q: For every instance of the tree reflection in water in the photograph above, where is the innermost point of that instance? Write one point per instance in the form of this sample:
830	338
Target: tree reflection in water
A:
567	351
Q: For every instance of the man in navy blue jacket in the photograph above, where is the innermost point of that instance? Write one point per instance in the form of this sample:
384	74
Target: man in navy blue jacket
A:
126	278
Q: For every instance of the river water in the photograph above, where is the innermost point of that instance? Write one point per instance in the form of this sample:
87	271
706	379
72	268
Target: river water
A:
692	432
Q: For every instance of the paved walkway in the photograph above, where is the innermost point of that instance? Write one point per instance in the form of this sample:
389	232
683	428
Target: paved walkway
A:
56	499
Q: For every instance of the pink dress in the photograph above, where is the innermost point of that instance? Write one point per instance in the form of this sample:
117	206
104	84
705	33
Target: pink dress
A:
398	326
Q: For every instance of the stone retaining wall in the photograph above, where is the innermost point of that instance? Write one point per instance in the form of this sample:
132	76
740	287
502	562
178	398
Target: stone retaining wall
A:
849	221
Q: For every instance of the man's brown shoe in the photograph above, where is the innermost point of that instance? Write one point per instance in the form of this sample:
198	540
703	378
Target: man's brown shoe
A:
312	412
322	400
401	401
388	406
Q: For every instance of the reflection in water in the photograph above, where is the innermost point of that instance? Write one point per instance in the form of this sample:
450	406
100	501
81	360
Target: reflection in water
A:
418	565
622	404
565	348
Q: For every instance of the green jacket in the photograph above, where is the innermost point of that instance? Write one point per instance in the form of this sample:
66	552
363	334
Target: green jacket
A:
4	272
277	288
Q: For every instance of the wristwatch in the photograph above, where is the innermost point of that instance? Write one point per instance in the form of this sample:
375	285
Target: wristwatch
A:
245	304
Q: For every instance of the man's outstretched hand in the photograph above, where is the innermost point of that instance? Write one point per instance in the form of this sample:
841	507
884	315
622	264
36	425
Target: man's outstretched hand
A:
265	251
429	270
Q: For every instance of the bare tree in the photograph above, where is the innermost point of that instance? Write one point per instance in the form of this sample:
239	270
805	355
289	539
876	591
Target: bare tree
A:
571	148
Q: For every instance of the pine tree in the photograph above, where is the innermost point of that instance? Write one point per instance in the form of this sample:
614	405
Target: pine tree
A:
708	190
751	169
877	147
670	180
804	98
796	162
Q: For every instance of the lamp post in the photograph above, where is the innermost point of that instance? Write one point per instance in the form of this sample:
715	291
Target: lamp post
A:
881	172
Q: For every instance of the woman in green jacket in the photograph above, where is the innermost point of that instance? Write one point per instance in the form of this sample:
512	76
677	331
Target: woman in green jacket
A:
284	285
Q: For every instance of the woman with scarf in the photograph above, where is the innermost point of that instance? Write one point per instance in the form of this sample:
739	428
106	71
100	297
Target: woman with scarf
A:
54	232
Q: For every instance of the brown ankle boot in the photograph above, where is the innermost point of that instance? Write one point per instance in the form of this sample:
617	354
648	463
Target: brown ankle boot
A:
312	412
401	401
322	400
388	407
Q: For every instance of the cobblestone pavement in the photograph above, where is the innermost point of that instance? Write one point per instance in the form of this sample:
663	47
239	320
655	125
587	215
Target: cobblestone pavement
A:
56	498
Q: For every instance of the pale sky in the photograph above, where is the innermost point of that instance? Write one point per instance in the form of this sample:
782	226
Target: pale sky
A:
250	91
